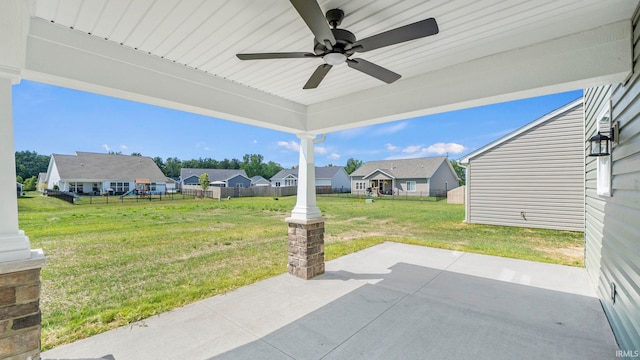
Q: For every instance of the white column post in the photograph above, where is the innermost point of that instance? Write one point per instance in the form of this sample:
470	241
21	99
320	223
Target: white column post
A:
14	245
306	208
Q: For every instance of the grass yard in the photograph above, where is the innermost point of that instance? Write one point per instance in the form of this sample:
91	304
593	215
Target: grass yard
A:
112	264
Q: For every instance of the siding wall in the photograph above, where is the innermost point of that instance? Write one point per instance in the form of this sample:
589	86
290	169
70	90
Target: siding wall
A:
612	233
442	180
539	173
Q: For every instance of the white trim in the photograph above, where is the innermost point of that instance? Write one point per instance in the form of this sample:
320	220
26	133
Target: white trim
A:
378	170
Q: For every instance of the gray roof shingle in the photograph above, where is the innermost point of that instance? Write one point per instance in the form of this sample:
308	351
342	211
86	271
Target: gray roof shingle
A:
403	168
100	167
214	174
325	172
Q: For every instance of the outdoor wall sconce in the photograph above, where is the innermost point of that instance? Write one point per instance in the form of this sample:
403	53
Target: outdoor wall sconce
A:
601	144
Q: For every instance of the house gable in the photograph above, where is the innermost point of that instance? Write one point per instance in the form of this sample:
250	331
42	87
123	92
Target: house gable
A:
533	177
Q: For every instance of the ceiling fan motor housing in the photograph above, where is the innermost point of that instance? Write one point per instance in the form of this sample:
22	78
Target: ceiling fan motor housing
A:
344	41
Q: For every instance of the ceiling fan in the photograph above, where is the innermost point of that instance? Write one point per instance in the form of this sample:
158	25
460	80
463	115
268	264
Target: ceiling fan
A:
336	46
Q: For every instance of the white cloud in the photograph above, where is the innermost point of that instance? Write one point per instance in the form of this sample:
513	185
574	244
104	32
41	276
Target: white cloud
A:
334	156
412	149
255	141
206	148
320	150
391	129
124	147
391	147
289	145
444	148
106	147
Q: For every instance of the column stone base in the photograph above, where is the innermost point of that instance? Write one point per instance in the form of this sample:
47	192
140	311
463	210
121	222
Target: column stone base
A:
20	308
306	248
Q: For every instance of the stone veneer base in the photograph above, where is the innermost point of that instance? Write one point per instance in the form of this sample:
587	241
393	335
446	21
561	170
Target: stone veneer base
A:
20	308
306	248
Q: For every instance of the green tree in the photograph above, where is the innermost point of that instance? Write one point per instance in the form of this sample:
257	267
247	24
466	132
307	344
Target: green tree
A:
172	167
204	181
352	165
252	164
460	171
30	184
271	168
136	154
160	163
29	163
19	179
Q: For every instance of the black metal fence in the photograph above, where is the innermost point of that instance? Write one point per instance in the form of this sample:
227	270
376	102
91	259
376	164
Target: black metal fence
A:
62	195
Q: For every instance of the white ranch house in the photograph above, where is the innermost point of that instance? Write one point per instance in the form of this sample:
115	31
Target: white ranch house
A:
100	174
182	55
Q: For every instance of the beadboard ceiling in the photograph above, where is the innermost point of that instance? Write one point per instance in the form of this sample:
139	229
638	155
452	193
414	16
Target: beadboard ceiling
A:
205	35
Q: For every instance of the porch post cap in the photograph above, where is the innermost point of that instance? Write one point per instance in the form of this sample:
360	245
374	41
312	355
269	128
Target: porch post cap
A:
292	220
36	261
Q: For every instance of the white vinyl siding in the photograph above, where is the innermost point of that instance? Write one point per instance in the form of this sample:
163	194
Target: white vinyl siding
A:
411	186
535	179
612	243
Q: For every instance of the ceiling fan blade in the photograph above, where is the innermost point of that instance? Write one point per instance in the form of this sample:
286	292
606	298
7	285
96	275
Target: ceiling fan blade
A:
413	31
317	76
286	55
374	70
311	13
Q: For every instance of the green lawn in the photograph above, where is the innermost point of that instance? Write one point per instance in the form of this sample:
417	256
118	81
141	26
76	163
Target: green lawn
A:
111	264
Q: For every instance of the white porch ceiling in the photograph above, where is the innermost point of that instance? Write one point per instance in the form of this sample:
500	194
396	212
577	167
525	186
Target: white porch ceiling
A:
181	54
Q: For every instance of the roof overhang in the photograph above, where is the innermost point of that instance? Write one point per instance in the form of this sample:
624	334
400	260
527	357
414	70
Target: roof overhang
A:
485	53
371	176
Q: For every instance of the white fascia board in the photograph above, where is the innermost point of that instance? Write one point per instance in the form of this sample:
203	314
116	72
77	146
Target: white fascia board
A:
375	171
589	58
465	160
69	58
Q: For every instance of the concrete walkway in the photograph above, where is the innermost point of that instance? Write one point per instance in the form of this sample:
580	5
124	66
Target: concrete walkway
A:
391	301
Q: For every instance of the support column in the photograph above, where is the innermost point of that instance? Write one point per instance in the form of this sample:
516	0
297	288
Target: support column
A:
19	265
306	224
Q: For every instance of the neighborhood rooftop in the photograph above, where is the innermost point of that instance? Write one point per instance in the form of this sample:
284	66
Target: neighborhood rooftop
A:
96	166
403	168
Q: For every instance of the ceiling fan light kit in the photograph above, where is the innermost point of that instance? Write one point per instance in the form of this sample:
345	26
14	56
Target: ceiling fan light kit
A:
336	46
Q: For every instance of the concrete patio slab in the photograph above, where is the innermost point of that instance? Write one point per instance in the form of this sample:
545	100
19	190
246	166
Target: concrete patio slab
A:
391	301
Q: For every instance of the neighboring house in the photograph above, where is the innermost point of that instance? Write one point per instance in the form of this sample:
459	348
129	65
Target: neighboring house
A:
19	189
335	177
172	185
42	182
533	177
99	174
429	176
217	177
260	181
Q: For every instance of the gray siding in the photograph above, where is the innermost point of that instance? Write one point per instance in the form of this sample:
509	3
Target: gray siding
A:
442	180
238	181
612	233
538	173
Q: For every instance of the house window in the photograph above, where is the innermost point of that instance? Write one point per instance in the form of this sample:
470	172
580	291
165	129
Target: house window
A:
76	187
360	185
277	183
411	186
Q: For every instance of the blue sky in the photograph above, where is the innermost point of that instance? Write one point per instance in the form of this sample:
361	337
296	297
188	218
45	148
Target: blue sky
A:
50	119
